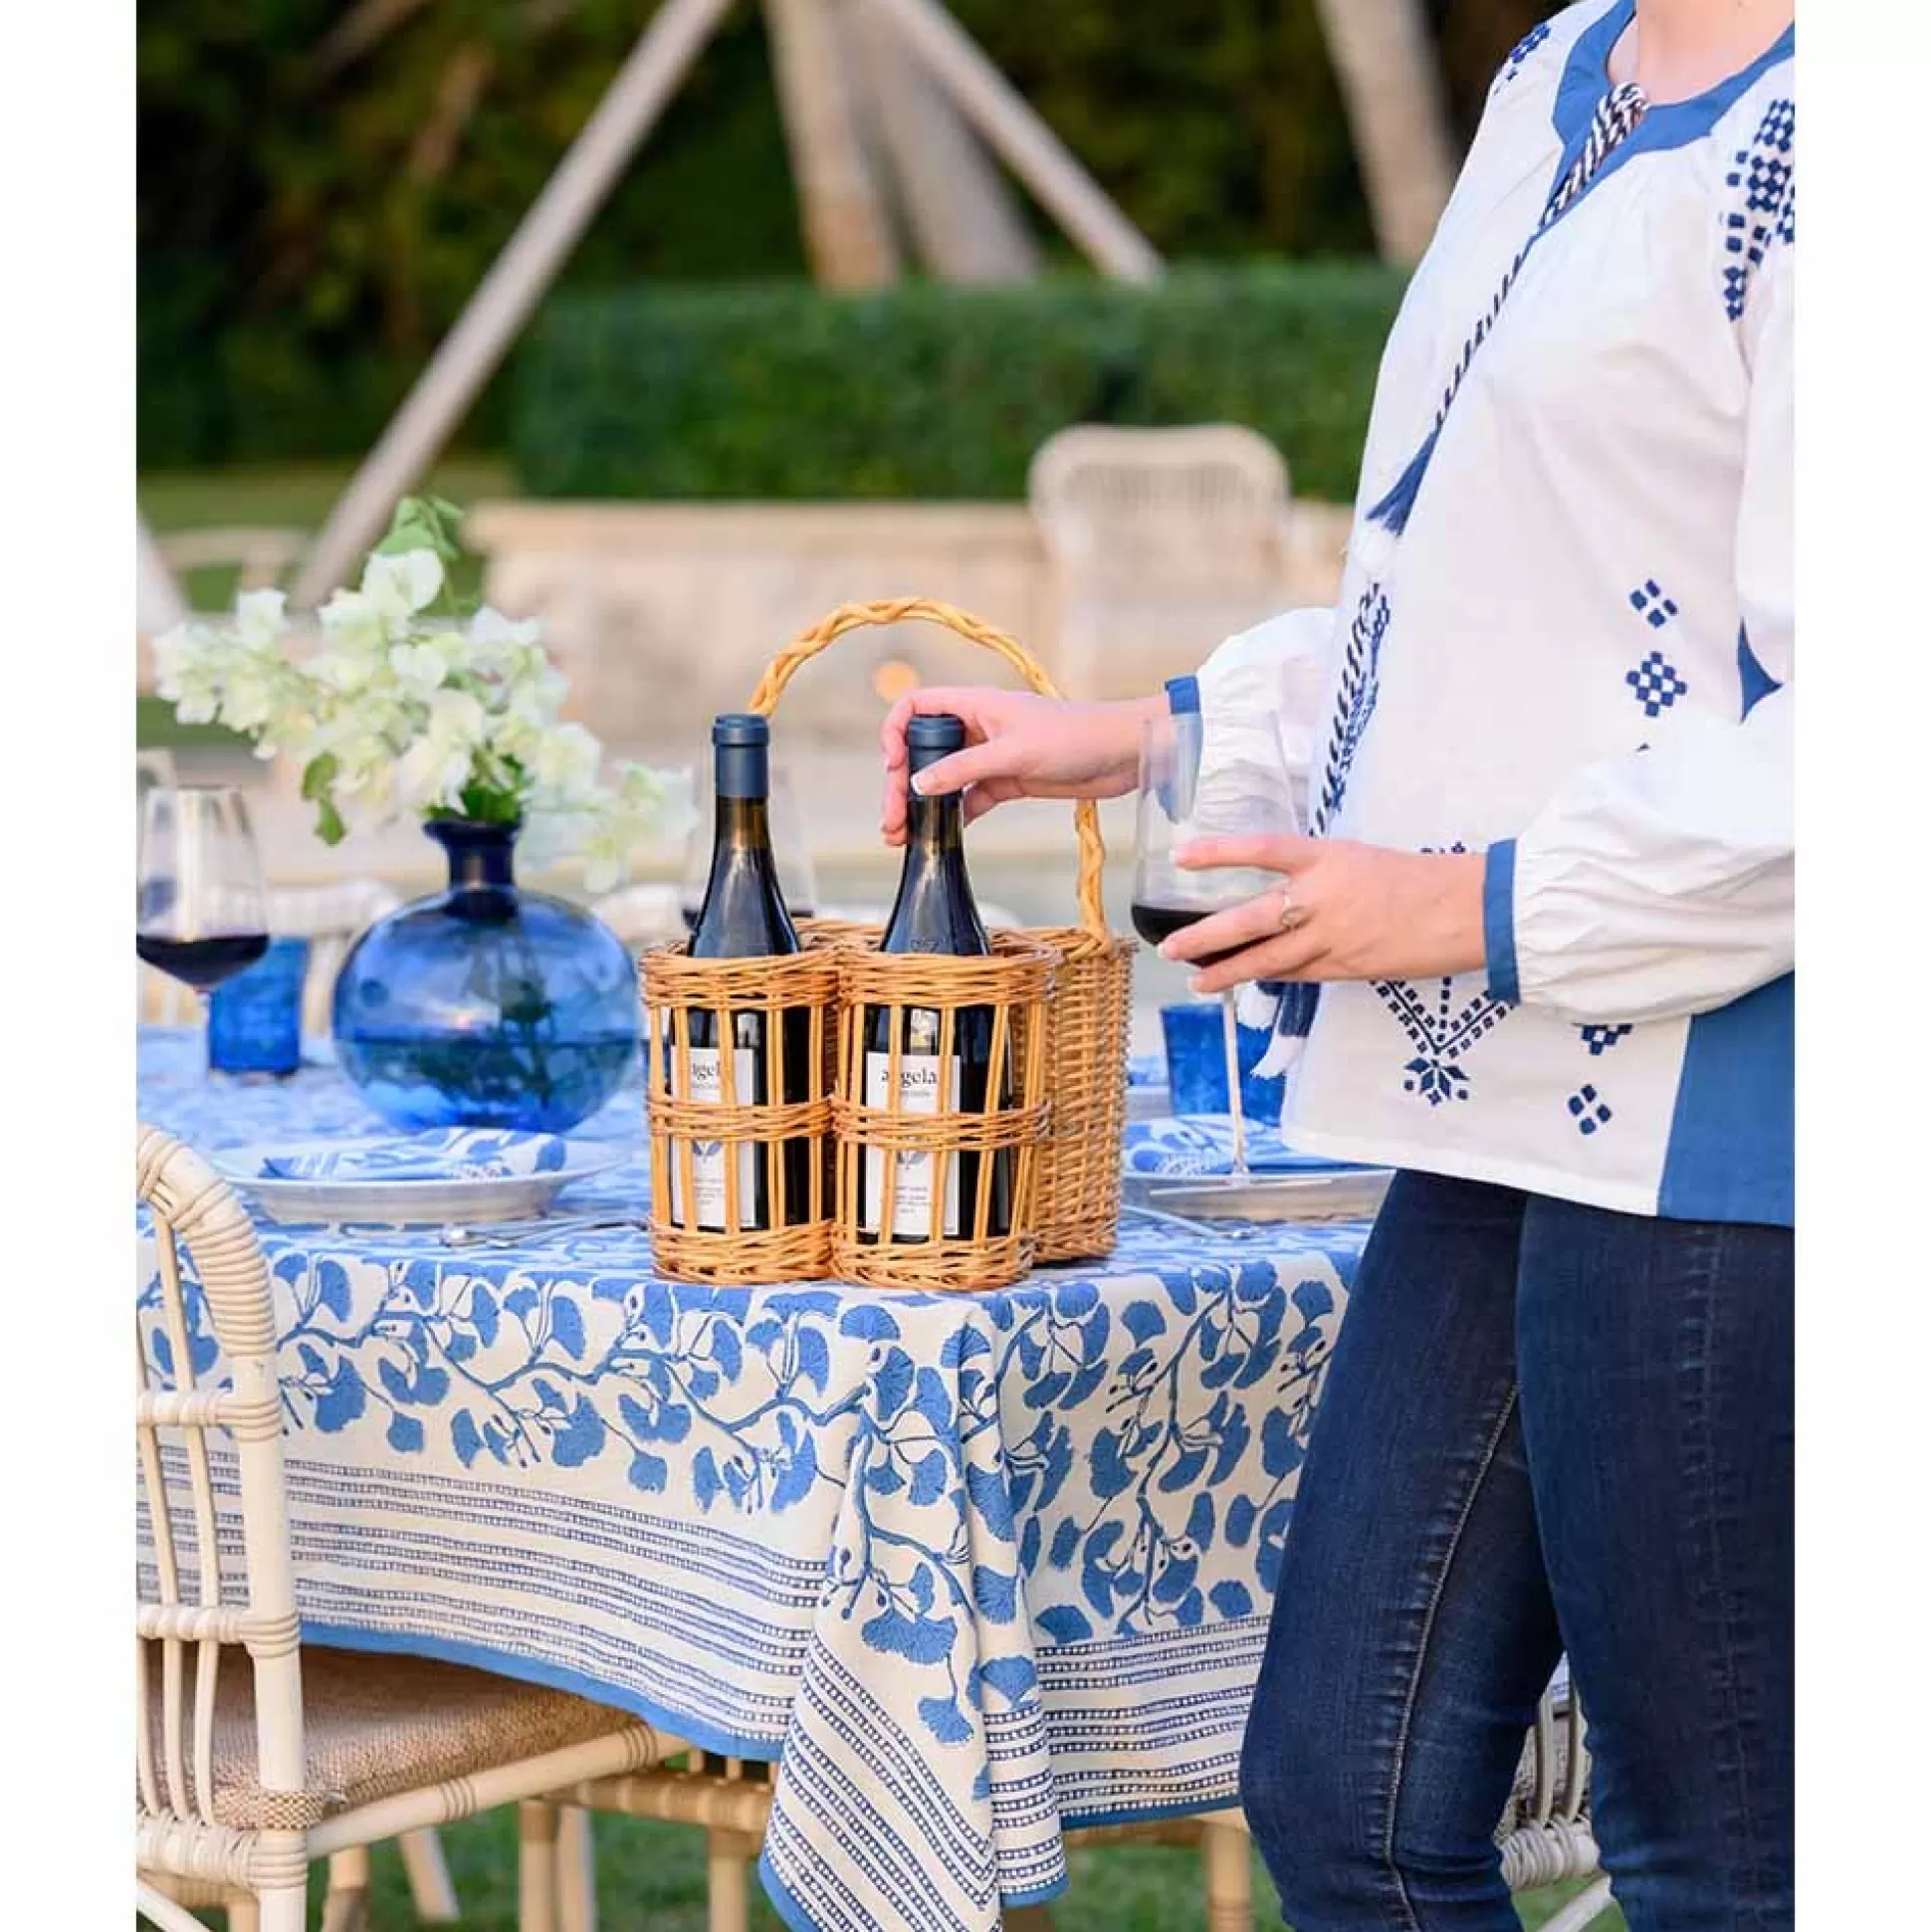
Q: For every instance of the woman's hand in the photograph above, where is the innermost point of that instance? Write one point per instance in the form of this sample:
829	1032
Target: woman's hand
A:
1017	745
1362	912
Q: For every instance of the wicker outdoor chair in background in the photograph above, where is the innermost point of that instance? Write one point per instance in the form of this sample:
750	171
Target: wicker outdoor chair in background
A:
328	916
1160	543
244	1777
263	558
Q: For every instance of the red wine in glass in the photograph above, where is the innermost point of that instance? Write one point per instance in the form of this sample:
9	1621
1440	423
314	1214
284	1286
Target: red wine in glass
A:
1157	923
200	910
201	963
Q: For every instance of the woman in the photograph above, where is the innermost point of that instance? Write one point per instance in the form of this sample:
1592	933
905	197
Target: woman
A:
1549	916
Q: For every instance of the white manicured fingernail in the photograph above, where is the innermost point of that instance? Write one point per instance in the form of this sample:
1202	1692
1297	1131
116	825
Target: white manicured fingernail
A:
917	782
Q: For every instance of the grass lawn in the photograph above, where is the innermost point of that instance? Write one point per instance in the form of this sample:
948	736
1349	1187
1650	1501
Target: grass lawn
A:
651	1879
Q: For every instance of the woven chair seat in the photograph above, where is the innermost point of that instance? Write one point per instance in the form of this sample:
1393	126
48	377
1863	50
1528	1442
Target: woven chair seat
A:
374	1725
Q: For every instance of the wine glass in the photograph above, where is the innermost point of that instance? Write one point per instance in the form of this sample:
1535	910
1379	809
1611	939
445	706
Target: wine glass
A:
200	910
1251	792
798	880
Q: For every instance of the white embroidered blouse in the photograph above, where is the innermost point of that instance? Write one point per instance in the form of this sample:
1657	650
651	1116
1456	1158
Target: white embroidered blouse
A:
1565	637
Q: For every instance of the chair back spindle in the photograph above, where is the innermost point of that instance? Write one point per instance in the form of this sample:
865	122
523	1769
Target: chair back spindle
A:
197	1606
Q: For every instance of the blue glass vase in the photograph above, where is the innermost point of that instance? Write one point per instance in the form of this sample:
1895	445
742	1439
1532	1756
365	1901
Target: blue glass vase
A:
486	1005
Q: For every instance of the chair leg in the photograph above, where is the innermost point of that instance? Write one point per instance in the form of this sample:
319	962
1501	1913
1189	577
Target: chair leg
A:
1224	1853
244	1915
732	1854
1582	1910
537	1866
286	1909
576	1873
429	1882
345	1909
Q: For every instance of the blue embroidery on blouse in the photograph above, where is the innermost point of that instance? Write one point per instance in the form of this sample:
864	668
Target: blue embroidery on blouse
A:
1442	1036
1763	202
1657	684
1353	701
1519	53
1598	1039
1649	603
1589	1110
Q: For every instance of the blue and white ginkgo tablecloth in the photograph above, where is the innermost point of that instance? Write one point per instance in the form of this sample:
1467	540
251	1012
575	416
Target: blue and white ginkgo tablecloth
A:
970	1568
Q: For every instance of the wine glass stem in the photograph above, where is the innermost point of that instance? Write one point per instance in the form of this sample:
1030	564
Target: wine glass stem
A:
1230	1038
204	1005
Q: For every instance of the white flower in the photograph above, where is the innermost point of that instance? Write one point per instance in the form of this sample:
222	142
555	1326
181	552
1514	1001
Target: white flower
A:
564	762
344	671
260	619
189	668
352	623
504	646
250	697
421	665
399	711
431	775
399	586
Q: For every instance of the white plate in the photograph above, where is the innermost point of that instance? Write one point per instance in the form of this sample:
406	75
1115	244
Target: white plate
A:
1347	1195
407	1203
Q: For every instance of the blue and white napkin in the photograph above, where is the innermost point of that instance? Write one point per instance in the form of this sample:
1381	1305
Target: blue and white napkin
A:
449	1153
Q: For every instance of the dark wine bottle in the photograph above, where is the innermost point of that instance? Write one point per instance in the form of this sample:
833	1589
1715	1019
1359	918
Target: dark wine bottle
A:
935	912
743	917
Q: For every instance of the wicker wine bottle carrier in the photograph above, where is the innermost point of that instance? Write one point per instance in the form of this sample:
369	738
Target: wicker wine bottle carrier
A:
1060	999
743	1141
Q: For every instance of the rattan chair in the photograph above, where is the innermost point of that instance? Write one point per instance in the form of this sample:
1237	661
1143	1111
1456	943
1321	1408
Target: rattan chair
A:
1544	1834
328	916
263	557
244	1777
1160	543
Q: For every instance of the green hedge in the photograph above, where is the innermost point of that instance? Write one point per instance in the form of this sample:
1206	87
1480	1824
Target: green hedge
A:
777	391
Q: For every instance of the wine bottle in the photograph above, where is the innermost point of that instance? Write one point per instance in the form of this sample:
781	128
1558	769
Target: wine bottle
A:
743	917
935	912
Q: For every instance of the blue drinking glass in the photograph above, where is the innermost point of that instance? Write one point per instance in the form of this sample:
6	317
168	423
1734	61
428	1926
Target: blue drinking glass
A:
1197	1064
255	1018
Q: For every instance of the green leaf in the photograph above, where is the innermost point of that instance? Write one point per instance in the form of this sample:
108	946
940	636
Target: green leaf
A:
319	778
329	823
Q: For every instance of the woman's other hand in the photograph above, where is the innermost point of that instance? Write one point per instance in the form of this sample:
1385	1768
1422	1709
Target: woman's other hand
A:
1017	745
1361	912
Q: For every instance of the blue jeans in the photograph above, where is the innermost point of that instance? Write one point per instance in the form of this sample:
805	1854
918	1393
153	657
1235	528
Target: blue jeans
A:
1546	1428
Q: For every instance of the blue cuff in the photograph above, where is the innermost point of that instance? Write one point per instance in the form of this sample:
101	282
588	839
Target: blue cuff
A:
1498	923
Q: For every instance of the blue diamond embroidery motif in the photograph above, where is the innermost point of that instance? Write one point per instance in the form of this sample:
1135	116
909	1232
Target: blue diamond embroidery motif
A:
1762	204
1588	1111
1599	1040
1656	683
1649	603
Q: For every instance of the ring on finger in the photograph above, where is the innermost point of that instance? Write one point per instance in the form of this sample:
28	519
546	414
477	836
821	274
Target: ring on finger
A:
1292	917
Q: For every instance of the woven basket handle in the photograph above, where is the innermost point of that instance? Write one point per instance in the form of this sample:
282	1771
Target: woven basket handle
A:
894	611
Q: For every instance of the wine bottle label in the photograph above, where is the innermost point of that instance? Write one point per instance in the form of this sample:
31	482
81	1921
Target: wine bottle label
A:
919	1093
708	1157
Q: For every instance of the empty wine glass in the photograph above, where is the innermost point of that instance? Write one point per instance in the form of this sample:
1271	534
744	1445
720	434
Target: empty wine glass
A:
1248	791
200	910
798	880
